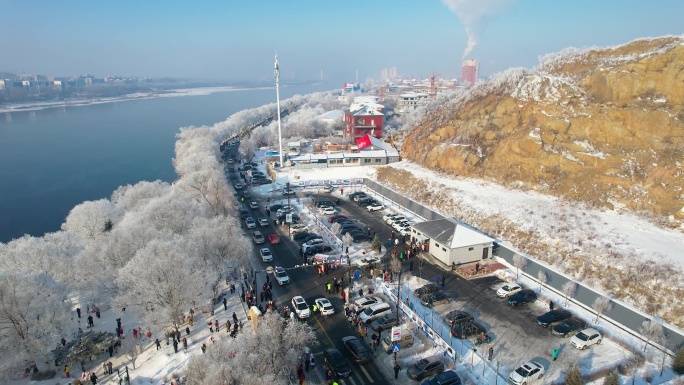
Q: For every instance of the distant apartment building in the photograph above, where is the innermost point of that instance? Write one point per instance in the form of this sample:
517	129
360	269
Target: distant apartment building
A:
409	101
469	72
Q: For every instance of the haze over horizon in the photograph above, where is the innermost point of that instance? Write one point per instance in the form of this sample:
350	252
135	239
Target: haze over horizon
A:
237	40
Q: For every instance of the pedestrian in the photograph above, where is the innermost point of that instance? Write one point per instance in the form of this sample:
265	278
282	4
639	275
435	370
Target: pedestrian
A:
411	266
175	346
225	304
97	312
227	326
185	343
443	281
104	368
306	364
361	332
235	319
350	319
551	305
187	330
327	287
135	334
344	296
109	367
156	342
204	348
90	321
491	353
312	361
93	378
211	326
111	350
437	278
554	353
63	341
396	370
216	325
66	370
78	312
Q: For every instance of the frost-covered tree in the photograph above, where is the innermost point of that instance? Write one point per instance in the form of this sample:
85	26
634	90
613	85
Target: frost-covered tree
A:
210	188
652	330
519	262
336	229
33	313
131	197
267	355
347	239
131	349
613	378
574	376
600	306
678	361
219	243
542	277
568	290
162	282
174	211
89	218
375	244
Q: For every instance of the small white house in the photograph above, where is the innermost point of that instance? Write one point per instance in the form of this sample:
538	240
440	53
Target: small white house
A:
452	242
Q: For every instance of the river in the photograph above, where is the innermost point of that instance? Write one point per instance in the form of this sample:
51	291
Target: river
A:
53	159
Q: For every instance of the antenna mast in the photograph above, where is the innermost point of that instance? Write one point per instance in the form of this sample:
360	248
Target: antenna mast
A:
276	71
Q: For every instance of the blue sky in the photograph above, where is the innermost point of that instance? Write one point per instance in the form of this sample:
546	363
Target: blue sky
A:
236	39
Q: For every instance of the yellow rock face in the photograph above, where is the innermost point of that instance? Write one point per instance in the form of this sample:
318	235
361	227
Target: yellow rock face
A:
603	127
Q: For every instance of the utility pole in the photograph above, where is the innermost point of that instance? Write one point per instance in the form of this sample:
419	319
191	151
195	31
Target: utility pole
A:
280	133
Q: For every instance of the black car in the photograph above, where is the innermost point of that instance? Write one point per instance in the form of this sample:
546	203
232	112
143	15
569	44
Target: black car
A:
275	207
522	297
424	368
309	238
447	378
334	360
361	238
433	299
458	316
467	329
299	237
384	322
317	249
427	289
295	217
359	352
324	203
244	214
568	327
367	201
553	316
354	194
358	197
351	230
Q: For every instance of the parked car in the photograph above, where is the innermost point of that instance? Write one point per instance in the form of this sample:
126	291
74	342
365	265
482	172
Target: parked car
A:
275	207
337	216
375	207
355	194
427	289
508	290
405	342
358	196
467	329
396	218
299	237
522	297
368	261
364	302
338	364
324	306
352	230
244	214
387	216
281	276
358	238
458	316
374	312
323	203
253	205
526	373
424	368
432	299
358	350
328	211
238	186
447	378
552	317
384	322
298	228
258	237
283	218
250	223
311	237
586	338
328	189
273	239
263	222
288	191
312	242
300	307
266	254
342	220
568	327
317	249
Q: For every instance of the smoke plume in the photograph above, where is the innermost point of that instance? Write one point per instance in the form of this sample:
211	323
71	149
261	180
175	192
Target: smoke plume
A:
474	14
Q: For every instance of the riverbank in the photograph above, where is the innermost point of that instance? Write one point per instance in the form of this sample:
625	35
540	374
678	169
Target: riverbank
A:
134	96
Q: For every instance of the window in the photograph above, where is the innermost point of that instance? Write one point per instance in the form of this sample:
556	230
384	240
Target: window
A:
366	161
378	160
471	248
443	249
436	244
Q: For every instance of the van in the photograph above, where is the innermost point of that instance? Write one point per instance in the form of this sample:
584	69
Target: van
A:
405	342
374	312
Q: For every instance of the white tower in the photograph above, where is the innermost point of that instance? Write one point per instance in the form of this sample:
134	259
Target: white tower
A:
280	134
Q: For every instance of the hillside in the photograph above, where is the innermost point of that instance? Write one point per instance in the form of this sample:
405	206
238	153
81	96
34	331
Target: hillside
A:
600	126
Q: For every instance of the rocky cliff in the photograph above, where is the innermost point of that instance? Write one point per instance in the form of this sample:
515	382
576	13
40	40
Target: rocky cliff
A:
603	126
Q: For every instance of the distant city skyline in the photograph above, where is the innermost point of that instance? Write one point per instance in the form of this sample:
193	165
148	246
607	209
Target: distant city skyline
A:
236	41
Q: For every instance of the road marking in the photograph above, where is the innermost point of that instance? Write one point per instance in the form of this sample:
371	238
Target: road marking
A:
366	373
350	380
324	332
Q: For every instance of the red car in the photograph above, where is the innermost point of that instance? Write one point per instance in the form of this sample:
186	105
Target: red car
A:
337	216
274	238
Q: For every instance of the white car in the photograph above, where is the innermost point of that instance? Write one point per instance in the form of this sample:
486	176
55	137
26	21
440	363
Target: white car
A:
405	230
508	290
253	205
263	222
305	249
281	276
328	211
324	306
313	242
364	302
393	220
386	217
284	210
300	307
375	207
526	373
586	338
250	223
288	192
368	261
399	225
298	228
238	186
266	254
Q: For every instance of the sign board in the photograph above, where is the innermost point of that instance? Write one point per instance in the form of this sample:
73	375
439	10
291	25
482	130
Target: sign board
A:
344	261
395	348
396	333
357	275
288	218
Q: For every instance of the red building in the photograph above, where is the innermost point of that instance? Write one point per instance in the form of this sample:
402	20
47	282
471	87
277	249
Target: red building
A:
366	120
469	72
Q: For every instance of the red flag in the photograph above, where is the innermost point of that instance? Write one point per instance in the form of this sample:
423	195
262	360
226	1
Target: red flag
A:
363	142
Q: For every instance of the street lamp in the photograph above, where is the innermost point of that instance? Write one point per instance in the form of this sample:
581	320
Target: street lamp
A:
276	71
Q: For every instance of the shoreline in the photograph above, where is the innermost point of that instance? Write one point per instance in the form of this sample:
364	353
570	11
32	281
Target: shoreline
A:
123	98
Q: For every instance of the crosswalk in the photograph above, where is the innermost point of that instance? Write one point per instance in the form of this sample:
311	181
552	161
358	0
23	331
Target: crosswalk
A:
361	374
